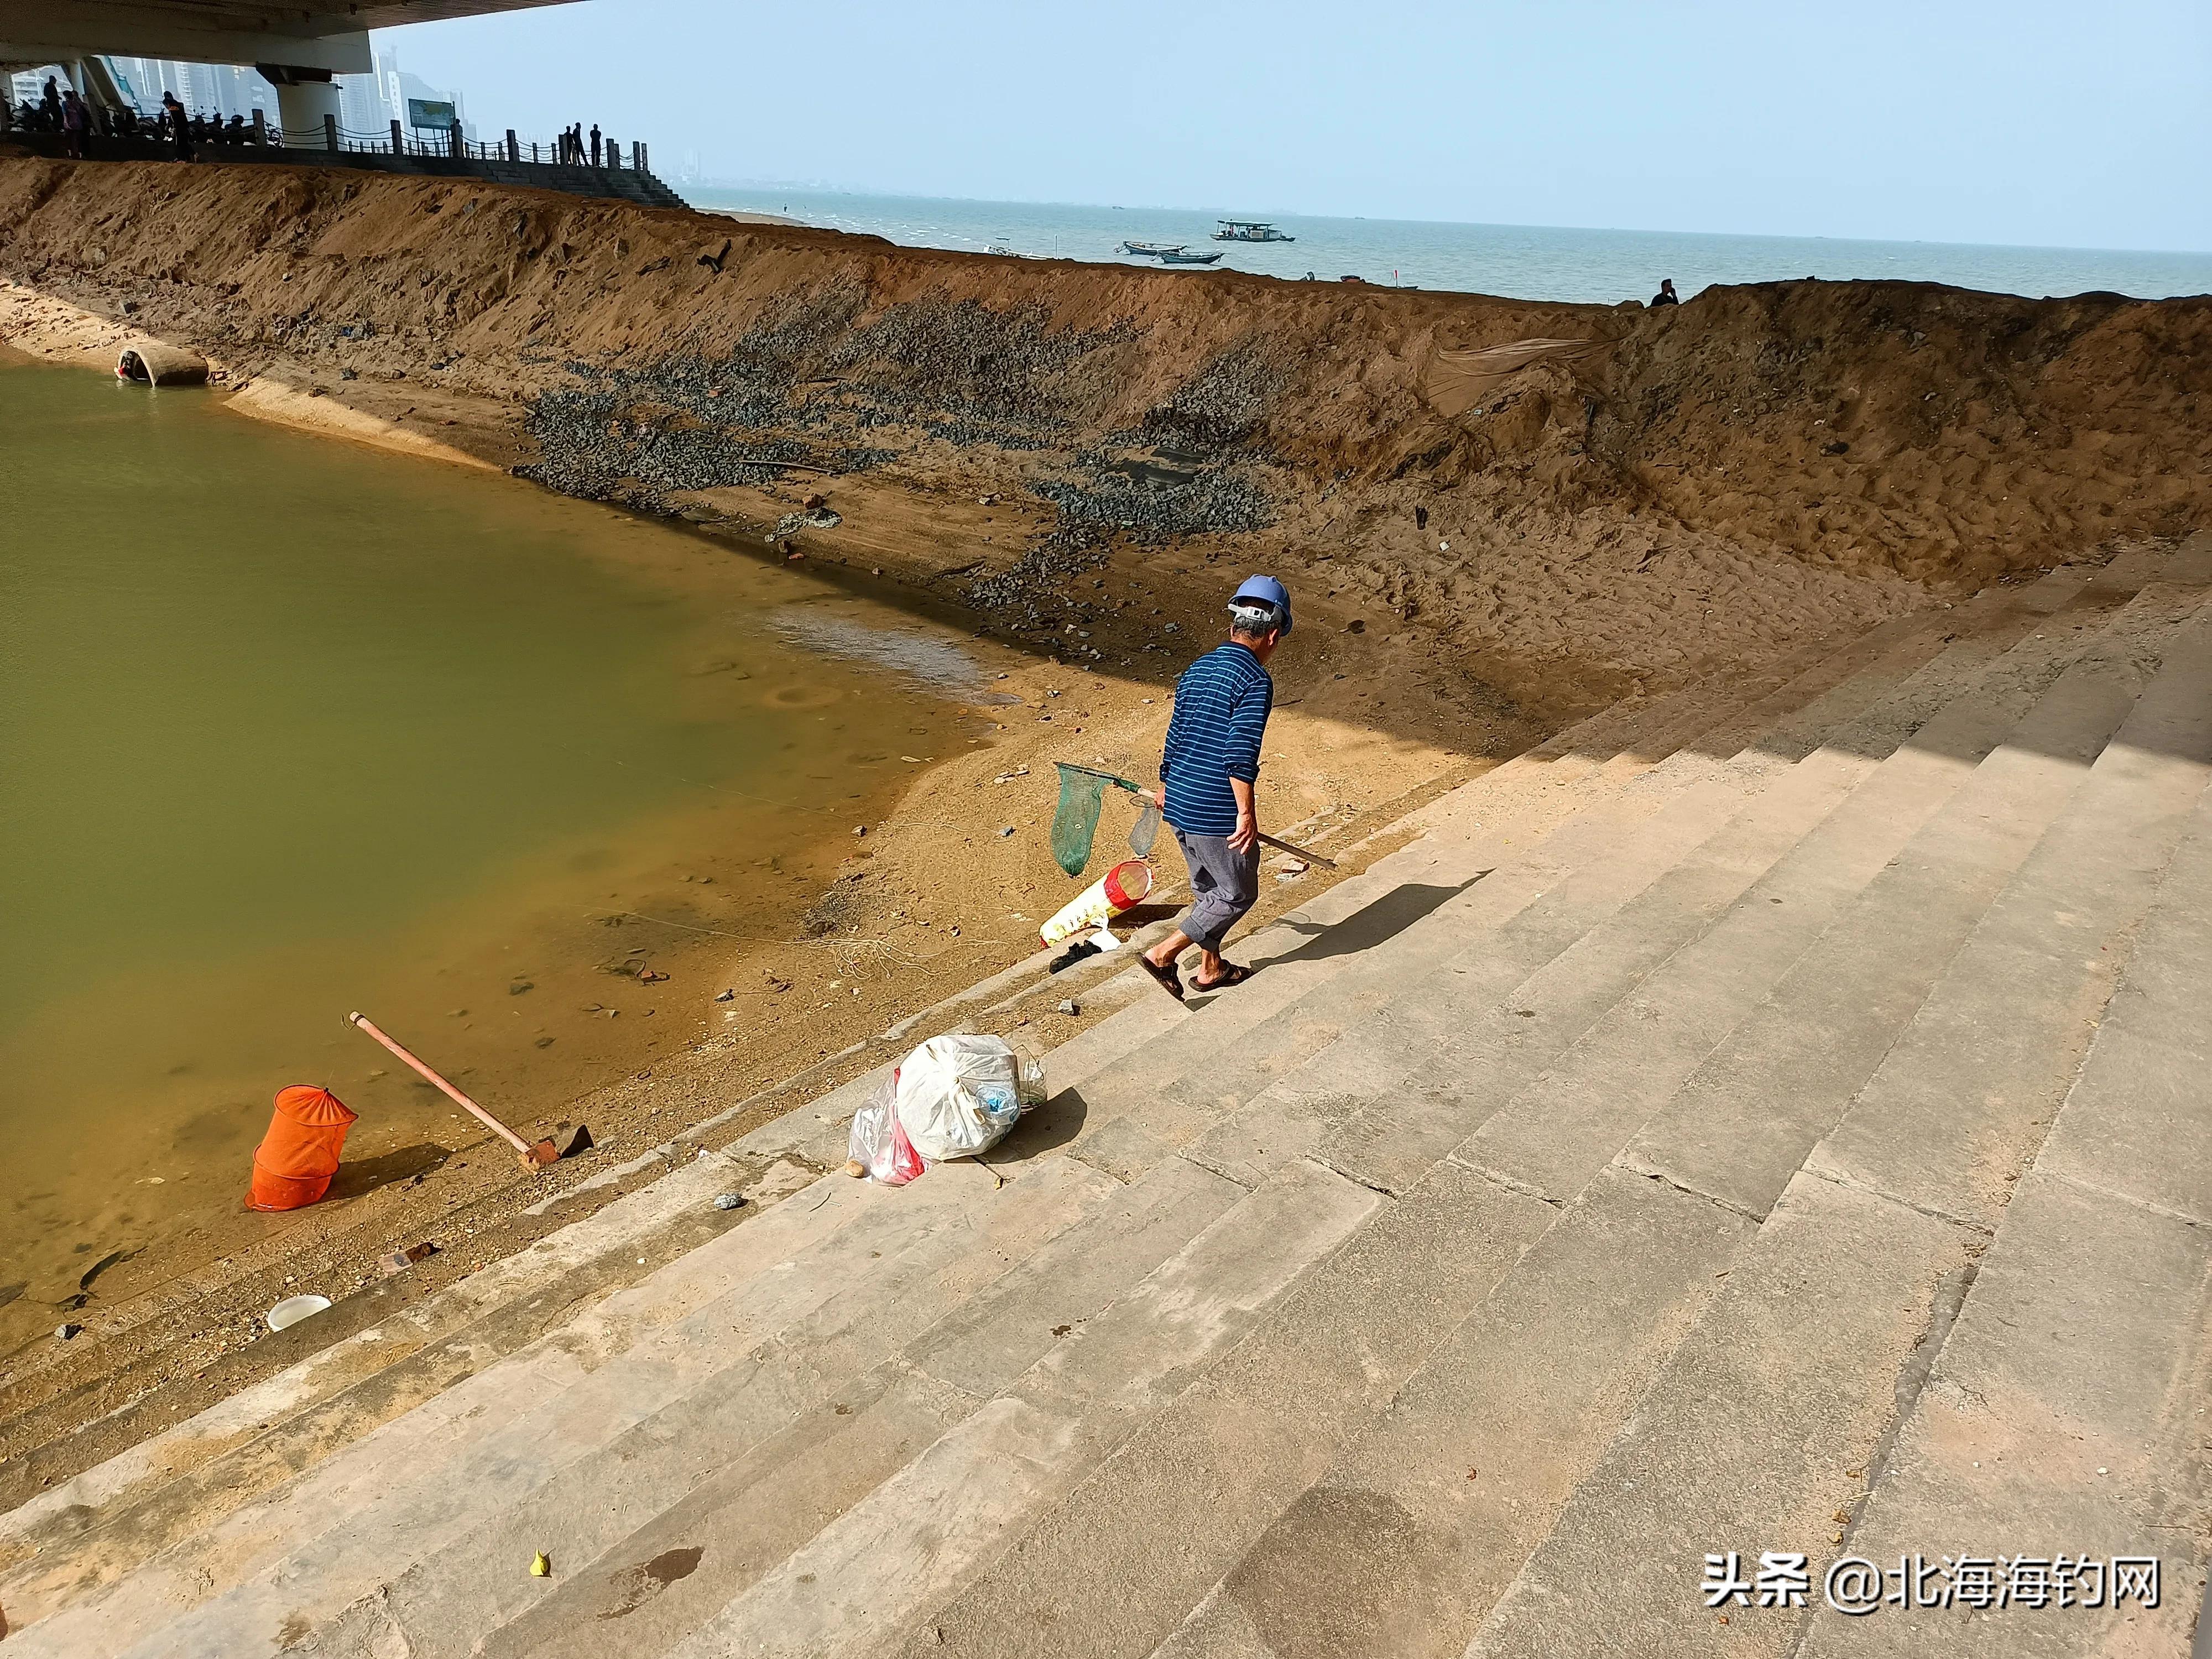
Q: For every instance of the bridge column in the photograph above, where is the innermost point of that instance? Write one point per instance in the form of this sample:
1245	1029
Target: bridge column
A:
304	98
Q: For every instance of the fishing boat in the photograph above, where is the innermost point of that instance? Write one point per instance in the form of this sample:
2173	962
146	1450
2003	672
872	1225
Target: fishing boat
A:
1248	230
1176	256
1153	250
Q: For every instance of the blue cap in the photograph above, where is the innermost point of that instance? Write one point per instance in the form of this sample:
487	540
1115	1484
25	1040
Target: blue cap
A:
1264	591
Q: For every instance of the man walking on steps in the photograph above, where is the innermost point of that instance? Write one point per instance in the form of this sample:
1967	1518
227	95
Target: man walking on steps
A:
1208	777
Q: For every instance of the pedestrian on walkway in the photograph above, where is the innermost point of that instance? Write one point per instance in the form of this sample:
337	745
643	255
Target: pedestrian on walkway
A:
76	122
180	127
1209	780
595	144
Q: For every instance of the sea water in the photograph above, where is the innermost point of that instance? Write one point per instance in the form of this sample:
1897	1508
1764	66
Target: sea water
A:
1523	261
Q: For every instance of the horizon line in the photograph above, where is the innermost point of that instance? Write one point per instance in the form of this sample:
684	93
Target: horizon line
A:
705	182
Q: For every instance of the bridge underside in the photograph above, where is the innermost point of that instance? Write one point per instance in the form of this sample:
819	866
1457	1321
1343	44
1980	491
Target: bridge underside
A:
327	35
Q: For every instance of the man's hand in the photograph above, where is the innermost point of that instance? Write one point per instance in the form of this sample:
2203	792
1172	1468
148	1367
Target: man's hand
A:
1157	796
1247	835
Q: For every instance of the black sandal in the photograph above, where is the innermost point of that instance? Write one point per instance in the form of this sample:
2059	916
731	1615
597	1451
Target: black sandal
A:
1166	978
1232	973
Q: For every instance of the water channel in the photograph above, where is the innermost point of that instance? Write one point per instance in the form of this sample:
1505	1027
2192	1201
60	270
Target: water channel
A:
289	727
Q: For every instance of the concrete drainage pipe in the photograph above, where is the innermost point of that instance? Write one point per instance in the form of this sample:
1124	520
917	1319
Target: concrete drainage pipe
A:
156	362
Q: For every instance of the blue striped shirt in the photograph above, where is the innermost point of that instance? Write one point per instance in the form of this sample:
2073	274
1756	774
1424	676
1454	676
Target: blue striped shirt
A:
1221	708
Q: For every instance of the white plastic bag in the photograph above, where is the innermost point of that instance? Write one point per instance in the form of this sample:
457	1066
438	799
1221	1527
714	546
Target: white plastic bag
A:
958	1095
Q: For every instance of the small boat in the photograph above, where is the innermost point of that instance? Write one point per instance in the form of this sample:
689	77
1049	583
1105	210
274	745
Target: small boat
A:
1153	250
1248	230
1001	249
1176	256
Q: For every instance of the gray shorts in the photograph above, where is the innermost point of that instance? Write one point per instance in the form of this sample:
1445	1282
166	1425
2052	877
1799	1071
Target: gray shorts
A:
1223	885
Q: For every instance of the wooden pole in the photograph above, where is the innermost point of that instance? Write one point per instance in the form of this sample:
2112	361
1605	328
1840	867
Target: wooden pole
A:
533	1158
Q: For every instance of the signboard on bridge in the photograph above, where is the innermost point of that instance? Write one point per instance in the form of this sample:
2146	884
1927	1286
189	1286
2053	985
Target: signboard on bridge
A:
431	112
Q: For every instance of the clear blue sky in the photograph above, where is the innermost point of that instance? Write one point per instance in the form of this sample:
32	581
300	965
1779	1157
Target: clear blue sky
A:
2086	125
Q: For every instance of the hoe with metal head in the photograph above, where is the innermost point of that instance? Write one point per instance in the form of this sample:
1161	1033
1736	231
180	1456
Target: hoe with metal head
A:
533	1156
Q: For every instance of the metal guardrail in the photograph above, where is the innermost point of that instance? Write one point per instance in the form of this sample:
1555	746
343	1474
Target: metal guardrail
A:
396	140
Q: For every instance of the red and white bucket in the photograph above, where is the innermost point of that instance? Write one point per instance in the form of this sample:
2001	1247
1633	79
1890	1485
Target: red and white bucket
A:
1127	884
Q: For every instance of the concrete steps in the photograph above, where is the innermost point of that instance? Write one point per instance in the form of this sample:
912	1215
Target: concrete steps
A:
1788	1381
1589	1185
1153	1560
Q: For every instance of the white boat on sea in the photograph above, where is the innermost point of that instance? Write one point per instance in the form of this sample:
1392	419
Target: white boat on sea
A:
1248	230
1152	249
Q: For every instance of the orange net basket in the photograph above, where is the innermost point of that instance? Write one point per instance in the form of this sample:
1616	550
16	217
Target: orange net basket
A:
294	1164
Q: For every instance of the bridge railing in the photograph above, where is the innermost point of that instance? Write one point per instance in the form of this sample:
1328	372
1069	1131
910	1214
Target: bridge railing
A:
330	138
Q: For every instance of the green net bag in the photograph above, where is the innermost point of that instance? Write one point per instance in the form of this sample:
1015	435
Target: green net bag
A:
1076	821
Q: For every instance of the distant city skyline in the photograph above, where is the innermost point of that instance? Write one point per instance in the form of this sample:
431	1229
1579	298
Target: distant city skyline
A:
367	104
2029	124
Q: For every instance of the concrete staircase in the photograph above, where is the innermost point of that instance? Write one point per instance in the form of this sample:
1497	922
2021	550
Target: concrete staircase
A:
1770	1123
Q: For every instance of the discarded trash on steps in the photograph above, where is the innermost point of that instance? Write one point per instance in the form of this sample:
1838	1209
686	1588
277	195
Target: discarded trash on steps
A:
1083	949
877	1143
293	1309
398	1261
1128	882
295	1160
954	1097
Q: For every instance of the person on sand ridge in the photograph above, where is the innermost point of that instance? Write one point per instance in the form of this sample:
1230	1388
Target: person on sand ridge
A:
1666	295
1209	775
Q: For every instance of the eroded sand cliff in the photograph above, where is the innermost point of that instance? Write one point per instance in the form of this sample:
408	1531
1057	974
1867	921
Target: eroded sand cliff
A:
1700	487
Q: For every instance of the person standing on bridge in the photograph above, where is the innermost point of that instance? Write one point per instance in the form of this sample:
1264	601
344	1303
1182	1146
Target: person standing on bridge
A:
76	122
595	144
180	126
1209	777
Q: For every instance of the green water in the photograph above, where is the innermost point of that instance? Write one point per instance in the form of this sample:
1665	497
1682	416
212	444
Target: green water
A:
289	726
